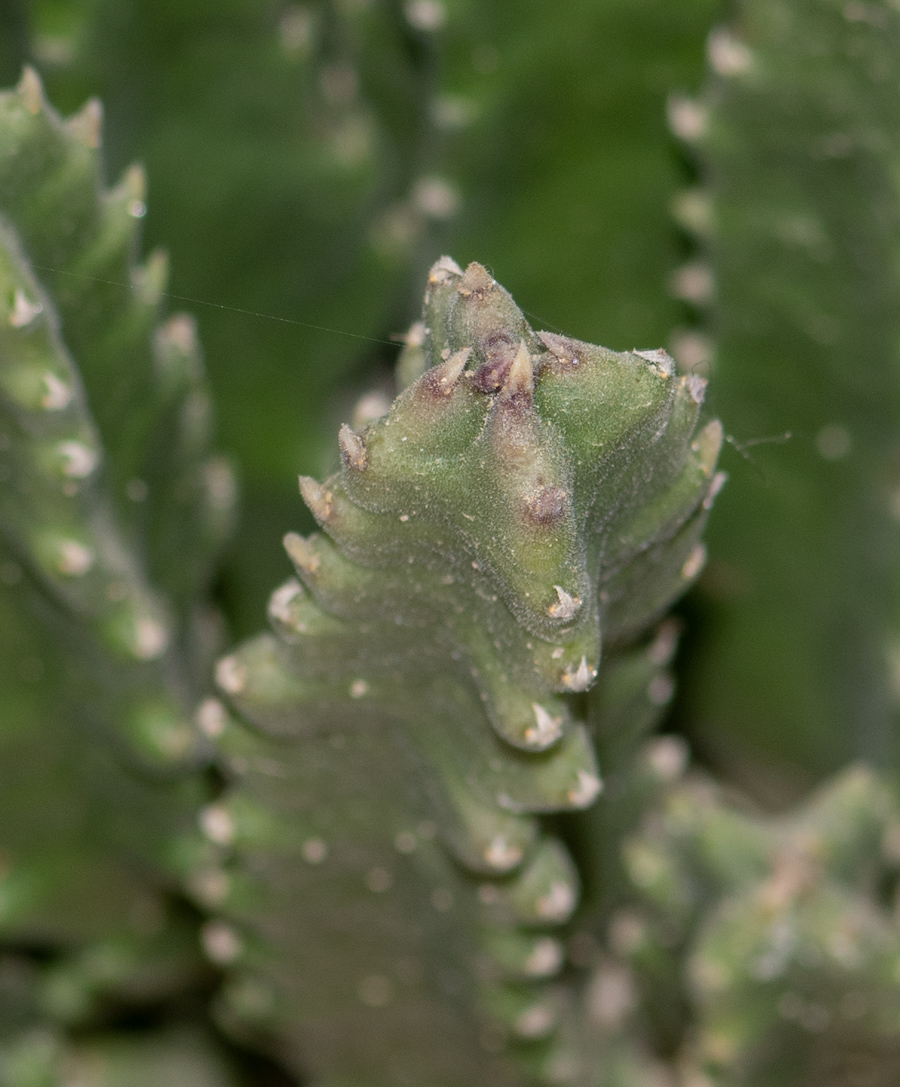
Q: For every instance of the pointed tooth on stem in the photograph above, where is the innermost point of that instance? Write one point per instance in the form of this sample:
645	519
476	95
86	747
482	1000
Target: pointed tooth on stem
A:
353	450
135	185
280	602
79	460
502	855
694	563
558	903
476	280
58	394
581	678
231	675
520	379
31	89
302	553
547	729
443	270
587	789
565	606
24	311
696	386
87	125
319	500
546	958
448	373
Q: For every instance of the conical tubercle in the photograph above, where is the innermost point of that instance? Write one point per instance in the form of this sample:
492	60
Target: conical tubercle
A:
519	384
476	280
31	89
302	553
319	499
441	380
515	430
443	270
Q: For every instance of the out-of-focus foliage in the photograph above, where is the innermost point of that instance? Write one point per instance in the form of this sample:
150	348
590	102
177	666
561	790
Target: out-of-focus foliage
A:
798	229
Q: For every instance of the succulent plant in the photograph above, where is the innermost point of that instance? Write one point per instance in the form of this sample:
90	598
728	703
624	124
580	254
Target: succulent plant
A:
418	706
414	834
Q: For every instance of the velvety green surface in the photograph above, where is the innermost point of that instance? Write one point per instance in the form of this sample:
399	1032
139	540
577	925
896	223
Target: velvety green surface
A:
527	499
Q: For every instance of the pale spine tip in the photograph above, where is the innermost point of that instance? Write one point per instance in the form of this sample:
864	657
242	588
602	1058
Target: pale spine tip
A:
581	678
448	373
565	606
87	125
211	718
718	482
353	450
79	460
135	182
151	638
694	563
23	311
536	1022
520	379
558	904
316	497
281	600
547	729
443	270
231	675
476	280
728	57
688	119
58	394
301	553
586	791
415	337
31	90
217	825
502	855
74	558
221	943
546	958
180	332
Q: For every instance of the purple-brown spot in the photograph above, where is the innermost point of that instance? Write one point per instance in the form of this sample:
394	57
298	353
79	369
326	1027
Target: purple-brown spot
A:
499	352
546	506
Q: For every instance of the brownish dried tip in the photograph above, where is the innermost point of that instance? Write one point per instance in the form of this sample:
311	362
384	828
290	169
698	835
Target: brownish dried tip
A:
476	281
353	451
547	506
565	352
500	352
